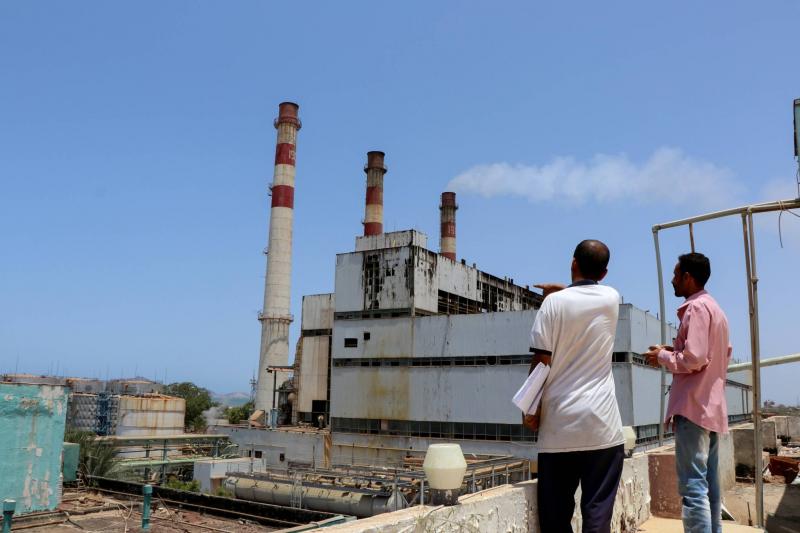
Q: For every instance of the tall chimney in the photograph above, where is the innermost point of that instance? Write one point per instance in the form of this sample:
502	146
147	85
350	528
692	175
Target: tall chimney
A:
275	316
373	215
447	212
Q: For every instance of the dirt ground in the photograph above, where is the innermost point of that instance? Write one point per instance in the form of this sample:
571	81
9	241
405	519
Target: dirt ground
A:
781	503
96	513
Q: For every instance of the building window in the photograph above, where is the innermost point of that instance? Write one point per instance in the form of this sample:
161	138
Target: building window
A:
258	454
351	342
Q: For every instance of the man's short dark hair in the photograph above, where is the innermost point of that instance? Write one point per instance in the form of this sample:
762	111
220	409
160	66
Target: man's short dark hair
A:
592	257
696	265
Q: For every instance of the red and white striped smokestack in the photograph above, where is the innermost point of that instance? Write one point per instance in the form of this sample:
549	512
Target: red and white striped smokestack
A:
373	215
447	212
276	315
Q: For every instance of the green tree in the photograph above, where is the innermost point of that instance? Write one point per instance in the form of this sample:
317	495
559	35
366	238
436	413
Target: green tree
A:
96	458
197	399
237	414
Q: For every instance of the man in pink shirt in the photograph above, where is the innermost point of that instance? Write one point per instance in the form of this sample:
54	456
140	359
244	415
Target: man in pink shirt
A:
698	363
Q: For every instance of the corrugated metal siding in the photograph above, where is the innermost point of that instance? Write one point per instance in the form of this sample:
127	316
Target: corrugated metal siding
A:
317	312
457	278
349	283
436	336
426	280
476	394
637	330
645	400
313	372
141	415
463	394
393	239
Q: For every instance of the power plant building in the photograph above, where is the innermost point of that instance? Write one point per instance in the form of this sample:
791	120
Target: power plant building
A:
415	345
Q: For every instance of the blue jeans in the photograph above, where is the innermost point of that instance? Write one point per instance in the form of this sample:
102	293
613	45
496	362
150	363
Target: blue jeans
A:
697	462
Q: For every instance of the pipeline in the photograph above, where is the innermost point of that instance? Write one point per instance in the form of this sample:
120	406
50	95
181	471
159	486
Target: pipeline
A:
329	500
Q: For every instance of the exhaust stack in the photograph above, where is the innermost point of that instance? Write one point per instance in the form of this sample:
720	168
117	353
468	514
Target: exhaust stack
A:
447	213
373	215
275	316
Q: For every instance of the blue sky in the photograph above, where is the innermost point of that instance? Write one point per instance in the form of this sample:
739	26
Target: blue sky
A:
137	144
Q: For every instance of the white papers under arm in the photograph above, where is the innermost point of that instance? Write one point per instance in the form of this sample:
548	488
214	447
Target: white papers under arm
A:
529	395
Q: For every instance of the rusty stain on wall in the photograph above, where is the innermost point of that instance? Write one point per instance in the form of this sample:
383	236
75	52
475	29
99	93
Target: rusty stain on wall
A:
32	418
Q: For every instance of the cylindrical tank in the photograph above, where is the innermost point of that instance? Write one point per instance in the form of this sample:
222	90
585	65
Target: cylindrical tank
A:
275	316
332	500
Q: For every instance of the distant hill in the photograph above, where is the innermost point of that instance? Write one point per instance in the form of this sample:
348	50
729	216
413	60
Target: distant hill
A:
232	399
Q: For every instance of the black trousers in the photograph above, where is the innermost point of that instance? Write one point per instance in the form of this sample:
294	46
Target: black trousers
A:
597	471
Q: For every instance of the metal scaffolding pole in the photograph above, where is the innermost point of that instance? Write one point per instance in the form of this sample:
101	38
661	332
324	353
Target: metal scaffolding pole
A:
748	234
662	308
752	297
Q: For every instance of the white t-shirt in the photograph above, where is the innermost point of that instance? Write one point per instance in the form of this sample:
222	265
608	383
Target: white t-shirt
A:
579	406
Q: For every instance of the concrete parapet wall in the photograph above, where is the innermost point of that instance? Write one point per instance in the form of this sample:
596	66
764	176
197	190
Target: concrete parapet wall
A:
793	425
632	505
769	435
781	425
509	508
743	443
664	499
727	464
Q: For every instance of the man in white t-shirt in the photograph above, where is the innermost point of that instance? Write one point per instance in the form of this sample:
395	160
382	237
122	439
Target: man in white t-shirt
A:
580	430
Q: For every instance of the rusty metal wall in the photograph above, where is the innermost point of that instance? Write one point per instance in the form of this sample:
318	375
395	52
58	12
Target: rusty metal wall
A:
317	312
460	394
150	415
393	239
394	272
458	278
471	392
436	336
638	330
313	384
32	421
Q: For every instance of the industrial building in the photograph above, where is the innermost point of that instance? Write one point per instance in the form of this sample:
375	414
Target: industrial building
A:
414	346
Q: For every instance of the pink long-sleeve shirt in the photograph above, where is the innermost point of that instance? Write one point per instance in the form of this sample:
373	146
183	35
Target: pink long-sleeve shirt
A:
699	364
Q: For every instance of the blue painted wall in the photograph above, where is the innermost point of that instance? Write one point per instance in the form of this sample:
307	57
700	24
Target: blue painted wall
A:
32	419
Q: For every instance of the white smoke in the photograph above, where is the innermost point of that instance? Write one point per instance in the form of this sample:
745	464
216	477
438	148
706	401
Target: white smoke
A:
667	176
213	414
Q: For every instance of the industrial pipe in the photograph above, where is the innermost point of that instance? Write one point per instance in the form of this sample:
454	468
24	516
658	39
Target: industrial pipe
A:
373	214
447	216
147	492
276	316
339	500
773	361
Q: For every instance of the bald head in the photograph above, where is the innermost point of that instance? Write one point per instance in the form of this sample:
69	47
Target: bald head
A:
591	258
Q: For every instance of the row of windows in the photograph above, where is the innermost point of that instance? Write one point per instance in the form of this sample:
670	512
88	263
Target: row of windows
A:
649	433
438	430
486	360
